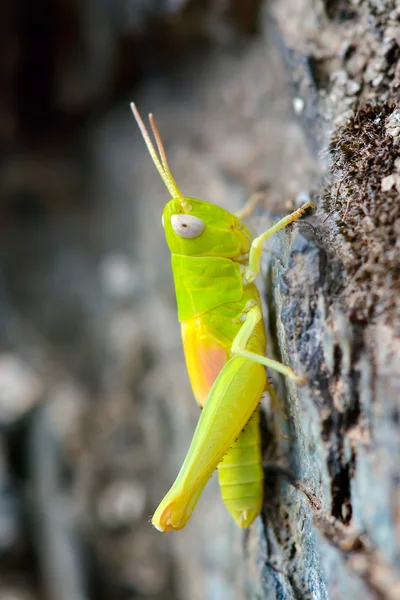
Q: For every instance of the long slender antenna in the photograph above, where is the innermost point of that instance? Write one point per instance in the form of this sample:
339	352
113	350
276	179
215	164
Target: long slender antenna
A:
161	165
163	156
159	143
151	149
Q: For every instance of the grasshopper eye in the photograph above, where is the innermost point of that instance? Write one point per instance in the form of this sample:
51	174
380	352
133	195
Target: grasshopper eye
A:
187	226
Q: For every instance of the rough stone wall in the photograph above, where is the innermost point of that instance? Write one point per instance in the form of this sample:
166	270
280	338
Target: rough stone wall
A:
331	515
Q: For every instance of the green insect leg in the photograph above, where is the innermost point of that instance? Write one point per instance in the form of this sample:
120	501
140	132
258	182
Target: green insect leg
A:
232	401
253	269
239	344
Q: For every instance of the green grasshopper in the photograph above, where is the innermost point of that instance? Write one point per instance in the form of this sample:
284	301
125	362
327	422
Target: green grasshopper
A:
215	260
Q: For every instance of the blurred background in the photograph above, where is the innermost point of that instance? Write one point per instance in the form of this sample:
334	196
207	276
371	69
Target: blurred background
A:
95	407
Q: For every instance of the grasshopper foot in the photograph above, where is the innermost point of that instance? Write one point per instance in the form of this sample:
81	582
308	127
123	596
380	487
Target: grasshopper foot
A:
300	380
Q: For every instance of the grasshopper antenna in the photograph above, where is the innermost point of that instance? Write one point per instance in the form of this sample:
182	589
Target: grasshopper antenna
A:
161	165
163	156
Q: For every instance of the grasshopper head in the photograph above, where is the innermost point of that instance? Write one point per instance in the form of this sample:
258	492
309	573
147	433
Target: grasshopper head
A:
205	230
194	227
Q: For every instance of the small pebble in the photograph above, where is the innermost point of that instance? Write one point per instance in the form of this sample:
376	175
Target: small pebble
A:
353	87
390	181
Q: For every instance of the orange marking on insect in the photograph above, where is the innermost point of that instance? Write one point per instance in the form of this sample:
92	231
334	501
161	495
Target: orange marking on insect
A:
205	358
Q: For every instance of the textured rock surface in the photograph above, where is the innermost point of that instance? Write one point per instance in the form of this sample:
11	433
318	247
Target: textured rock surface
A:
335	305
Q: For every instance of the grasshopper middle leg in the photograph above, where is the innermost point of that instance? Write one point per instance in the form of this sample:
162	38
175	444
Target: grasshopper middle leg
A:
239	344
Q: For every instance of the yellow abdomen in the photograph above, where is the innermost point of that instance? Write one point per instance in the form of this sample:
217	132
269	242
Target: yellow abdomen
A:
241	476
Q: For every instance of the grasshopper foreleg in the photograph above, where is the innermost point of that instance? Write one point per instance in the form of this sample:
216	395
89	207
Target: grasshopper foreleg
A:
251	272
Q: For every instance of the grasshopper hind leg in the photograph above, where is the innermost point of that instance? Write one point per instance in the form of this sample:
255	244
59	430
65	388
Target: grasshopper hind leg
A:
233	398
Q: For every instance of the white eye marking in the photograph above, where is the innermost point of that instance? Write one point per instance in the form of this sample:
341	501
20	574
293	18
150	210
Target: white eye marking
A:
187	226
162	221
